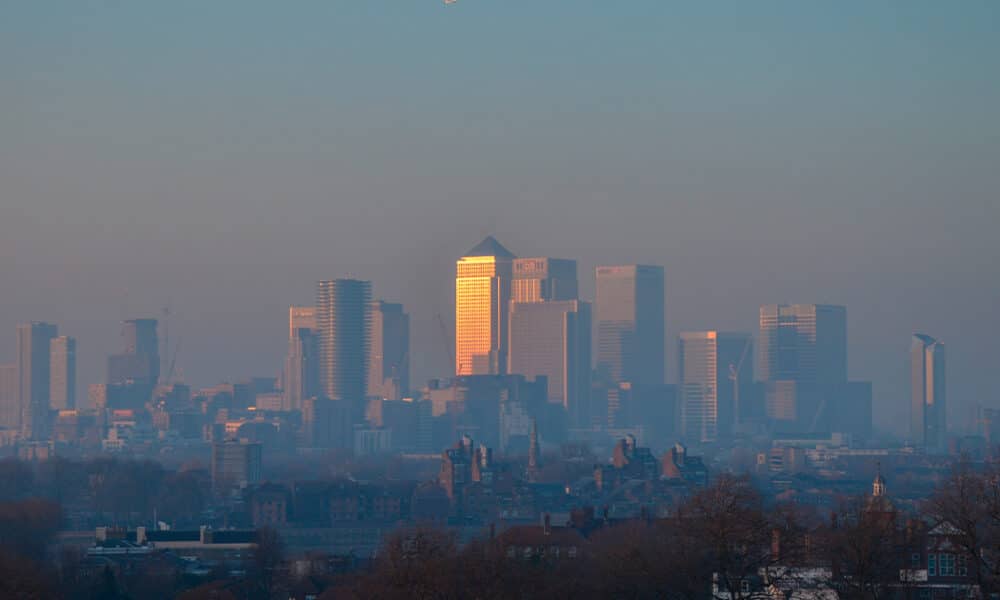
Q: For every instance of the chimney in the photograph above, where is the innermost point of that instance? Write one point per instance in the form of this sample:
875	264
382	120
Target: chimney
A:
548	524
140	536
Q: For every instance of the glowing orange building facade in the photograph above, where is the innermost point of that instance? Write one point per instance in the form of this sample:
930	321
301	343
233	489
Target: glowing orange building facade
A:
482	292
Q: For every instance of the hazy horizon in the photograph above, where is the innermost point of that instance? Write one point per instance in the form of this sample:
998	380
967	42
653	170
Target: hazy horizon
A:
221	158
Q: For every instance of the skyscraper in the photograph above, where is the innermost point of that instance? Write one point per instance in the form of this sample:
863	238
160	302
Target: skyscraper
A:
33	373
343	316
389	361
928	398
553	339
301	317
301	379
543	279
805	343
62	381
482	293
629	322
140	363
713	368
10	405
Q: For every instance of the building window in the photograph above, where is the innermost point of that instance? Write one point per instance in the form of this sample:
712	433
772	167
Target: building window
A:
744	586
925	594
931	565
946	565
963	565
915	560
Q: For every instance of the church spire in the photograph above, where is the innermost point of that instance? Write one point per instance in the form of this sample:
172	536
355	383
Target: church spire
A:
878	486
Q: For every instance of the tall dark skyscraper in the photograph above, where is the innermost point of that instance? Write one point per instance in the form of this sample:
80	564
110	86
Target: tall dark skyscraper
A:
805	343
62	382
343	317
10	404
928	405
33	377
140	362
389	359
628	315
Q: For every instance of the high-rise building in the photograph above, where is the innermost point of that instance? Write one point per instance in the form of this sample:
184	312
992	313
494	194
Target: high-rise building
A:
301	379
33	374
301	317
389	360
928	398
552	339
235	464
10	405
543	279
140	363
805	343
713	368
343	318
482	293
629	322
62	382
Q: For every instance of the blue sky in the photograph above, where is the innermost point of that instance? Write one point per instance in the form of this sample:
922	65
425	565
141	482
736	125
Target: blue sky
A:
220	157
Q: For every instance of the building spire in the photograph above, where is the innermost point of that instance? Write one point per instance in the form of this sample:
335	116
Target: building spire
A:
878	486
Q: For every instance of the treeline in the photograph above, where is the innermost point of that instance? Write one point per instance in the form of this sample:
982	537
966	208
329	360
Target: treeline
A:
726	541
111	491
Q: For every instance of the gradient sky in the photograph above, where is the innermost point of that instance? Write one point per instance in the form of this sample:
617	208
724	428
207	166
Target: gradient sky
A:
221	156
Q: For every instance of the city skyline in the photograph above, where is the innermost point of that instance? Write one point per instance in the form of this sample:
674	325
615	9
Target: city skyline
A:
222	179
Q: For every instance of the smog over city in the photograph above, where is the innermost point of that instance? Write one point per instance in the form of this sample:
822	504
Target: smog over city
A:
502	299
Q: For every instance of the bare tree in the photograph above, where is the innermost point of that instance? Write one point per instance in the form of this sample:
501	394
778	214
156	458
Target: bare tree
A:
968	502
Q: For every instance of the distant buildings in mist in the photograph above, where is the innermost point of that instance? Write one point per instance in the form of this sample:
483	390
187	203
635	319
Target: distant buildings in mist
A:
529	354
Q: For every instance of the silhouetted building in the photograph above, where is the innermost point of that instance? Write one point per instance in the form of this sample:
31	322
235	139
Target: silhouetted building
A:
327	423
928	397
33	376
235	464
140	363
389	359
10	404
629	323
62	381
301	379
552	339
343	317
482	293
714	367
806	343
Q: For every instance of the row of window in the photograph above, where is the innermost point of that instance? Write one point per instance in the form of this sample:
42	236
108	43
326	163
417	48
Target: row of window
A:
947	565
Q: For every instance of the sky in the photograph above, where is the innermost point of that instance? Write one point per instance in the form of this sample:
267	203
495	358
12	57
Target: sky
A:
218	158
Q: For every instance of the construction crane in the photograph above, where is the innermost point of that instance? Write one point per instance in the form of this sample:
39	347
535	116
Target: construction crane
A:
734	376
